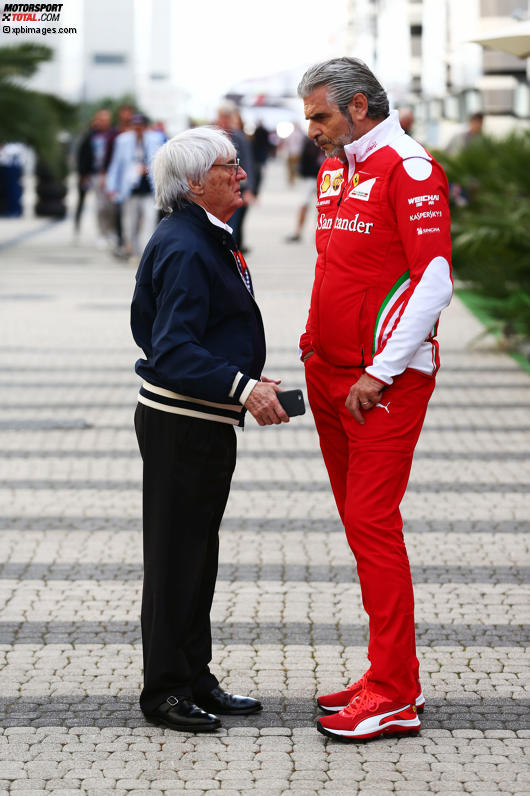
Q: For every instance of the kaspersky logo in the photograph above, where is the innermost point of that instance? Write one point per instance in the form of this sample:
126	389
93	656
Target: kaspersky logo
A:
429	199
426	214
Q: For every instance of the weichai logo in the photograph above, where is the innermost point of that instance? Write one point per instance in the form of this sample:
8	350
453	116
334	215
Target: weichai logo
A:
32	12
429	199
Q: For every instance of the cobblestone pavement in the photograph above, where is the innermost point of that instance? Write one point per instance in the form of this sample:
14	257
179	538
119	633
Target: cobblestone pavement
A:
288	619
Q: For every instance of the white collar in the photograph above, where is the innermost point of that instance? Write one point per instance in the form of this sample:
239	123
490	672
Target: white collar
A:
379	136
214	220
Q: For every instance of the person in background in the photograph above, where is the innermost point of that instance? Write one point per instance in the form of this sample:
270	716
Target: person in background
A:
311	160
461	140
159	127
229	120
261	150
125	114
91	175
195	317
382	278
293	145
406	119
458	194
129	183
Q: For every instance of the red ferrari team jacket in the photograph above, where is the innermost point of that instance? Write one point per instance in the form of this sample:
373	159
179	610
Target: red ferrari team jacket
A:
383	272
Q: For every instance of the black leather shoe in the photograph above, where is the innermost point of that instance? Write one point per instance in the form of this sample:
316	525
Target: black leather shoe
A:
179	713
219	701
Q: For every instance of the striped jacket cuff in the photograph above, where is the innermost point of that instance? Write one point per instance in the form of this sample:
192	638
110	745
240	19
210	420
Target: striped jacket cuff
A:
251	383
241	388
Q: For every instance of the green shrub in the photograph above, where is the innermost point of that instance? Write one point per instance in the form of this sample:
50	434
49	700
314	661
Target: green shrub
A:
491	229
32	117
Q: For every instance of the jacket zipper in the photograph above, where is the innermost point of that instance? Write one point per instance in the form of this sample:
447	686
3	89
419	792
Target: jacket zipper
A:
339	200
327	247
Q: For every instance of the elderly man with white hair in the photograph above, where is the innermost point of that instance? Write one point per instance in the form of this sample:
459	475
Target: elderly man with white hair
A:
195	317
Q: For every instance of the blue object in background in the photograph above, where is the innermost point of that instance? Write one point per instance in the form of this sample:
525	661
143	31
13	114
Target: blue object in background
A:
11	169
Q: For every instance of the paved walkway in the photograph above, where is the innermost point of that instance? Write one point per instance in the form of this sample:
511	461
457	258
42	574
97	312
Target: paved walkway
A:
287	616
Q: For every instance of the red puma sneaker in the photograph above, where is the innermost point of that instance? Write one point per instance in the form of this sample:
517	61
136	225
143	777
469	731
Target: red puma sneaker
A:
369	715
338	701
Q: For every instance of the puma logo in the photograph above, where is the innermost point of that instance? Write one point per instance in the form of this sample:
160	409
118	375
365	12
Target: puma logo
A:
385	407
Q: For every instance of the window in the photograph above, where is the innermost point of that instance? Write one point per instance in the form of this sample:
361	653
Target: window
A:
415	40
109	58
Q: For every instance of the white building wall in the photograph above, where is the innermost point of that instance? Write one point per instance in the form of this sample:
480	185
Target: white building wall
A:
453	77
393	57
109	52
158	91
360	38
434	47
465	58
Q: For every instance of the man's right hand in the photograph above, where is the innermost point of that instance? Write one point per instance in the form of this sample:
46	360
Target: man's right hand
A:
264	406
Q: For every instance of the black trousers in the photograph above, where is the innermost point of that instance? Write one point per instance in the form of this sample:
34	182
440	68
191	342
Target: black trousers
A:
187	469
82	191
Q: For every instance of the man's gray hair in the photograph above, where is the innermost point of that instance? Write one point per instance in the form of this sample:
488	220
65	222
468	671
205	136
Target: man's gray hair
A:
343	78
189	155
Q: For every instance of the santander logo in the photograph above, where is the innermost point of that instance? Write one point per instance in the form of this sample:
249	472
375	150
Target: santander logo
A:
345	224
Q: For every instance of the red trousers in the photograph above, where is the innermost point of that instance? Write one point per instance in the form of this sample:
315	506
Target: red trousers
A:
369	467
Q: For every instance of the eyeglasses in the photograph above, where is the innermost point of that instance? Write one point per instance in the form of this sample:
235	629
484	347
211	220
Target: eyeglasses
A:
234	165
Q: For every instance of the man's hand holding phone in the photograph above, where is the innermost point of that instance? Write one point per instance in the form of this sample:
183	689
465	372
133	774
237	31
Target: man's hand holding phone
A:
271	406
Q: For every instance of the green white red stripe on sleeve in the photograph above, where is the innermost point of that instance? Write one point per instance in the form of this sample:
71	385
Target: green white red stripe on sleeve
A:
406	343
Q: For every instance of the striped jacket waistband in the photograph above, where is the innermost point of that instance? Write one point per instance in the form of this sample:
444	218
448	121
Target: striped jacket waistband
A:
168	401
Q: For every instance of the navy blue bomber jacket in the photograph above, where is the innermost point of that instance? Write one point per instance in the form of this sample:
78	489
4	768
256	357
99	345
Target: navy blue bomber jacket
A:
199	326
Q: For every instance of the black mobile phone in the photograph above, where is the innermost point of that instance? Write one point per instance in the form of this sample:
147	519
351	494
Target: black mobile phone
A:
292	401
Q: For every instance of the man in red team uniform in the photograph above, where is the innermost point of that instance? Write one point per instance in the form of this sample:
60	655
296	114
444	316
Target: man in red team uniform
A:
382	277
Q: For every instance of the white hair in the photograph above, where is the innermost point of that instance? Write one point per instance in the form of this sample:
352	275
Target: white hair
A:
189	155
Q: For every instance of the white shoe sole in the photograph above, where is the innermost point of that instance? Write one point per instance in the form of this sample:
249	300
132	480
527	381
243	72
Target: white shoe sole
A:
401	727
